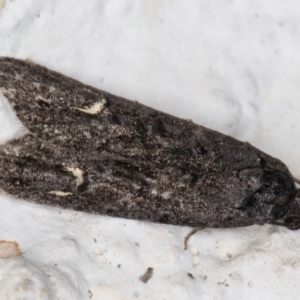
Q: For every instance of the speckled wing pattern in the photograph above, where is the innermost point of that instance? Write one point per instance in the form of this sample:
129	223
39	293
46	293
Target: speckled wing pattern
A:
92	151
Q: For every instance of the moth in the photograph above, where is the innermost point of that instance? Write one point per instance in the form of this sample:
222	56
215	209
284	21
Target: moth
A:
87	150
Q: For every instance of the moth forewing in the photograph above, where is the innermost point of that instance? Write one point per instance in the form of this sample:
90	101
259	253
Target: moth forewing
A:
92	151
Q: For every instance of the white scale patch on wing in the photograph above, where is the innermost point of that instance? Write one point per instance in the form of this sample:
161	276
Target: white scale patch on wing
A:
39	97
78	174
60	193
94	109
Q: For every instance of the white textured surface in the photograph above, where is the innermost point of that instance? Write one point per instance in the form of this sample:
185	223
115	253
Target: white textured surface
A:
228	65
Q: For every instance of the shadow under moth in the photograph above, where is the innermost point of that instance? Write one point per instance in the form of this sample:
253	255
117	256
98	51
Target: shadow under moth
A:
87	150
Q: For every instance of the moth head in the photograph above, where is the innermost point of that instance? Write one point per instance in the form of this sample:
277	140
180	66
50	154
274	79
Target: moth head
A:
269	195
291	219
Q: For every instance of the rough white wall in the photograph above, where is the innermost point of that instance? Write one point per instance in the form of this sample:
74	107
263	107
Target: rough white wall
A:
228	65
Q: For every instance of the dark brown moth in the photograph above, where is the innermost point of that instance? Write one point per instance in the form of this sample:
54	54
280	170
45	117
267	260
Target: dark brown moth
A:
91	151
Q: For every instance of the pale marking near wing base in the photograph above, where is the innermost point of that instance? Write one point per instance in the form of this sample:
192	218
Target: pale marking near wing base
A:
95	109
